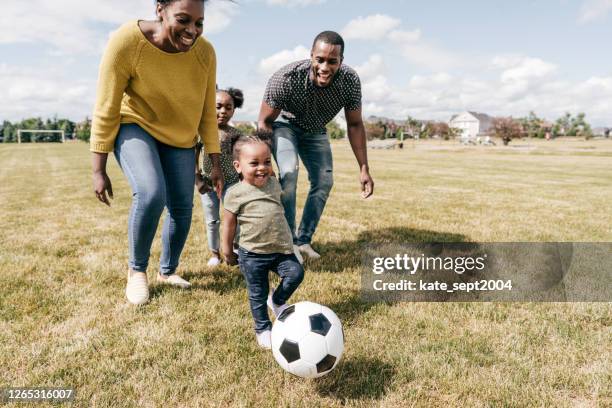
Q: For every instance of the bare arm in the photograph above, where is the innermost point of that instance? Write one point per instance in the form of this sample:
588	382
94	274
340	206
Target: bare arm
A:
216	174
227	240
267	116
101	182
357	138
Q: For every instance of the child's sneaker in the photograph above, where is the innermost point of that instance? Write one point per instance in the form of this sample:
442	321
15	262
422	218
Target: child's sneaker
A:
276	309
214	261
307	250
264	339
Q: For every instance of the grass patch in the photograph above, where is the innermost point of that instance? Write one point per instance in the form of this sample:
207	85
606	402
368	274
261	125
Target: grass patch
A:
64	320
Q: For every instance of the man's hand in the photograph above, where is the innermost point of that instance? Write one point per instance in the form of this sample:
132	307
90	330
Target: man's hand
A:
367	184
102	186
267	116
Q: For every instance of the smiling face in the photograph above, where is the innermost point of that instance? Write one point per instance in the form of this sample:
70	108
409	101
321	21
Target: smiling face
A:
182	22
254	163
326	60
225	108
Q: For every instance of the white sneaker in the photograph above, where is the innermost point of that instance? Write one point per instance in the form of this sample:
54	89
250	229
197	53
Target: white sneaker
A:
264	339
214	261
276	309
307	250
296	252
174	280
137	288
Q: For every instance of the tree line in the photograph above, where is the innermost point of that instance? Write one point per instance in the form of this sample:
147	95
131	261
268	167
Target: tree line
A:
506	128
72	130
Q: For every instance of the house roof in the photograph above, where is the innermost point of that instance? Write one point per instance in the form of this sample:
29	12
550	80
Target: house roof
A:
483	117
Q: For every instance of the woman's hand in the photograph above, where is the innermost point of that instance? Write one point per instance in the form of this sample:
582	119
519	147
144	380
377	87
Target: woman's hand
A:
101	182
216	175
102	186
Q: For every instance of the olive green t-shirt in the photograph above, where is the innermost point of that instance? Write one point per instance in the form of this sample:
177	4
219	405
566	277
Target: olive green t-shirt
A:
261	217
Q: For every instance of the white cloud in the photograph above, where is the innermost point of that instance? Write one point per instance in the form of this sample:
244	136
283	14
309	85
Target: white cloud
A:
28	94
528	85
218	16
294	3
401	36
518	67
373	27
371	68
271	64
73	26
594	9
423	54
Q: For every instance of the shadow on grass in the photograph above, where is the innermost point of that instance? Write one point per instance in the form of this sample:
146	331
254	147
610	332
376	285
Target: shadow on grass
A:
357	379
222	280
219	280
338	256
352	307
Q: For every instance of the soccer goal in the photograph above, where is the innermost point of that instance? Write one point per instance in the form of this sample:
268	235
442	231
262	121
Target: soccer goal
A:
38	131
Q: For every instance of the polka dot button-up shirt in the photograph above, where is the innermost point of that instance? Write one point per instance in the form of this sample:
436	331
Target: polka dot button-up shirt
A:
306	105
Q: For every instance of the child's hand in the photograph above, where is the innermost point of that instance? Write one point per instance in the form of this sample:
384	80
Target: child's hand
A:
230	258
201	184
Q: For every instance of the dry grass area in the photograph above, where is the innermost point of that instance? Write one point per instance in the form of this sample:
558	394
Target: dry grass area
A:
64	320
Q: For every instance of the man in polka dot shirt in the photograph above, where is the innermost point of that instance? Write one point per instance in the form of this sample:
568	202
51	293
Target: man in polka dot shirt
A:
300	100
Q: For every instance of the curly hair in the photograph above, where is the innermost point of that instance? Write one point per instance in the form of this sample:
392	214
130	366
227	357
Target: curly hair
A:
236	94
165	2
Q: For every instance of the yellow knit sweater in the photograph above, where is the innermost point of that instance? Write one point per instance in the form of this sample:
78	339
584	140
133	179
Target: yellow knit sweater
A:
171	96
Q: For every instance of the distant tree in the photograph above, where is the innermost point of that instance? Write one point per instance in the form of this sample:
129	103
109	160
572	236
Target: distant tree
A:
9	132
562	125
245	128
507	129
443	130
569	125
30	124
533	126
580	127
373	130
413	127
67	126
83	130
334	131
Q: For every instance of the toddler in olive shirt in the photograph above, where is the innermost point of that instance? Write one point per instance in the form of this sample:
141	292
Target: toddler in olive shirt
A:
266	243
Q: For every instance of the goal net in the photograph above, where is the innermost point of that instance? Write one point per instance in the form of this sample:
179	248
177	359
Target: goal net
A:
40	136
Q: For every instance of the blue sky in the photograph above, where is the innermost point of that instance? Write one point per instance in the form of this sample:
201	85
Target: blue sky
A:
424	59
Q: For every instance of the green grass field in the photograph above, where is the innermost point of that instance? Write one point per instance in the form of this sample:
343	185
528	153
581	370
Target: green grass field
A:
64	320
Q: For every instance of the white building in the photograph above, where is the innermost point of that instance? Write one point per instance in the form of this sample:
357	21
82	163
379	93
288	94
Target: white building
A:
472	124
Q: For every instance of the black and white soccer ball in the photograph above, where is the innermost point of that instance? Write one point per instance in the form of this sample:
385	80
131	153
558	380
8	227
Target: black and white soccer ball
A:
307	339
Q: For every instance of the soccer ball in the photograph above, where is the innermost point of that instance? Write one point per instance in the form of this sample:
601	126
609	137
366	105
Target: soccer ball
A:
307	339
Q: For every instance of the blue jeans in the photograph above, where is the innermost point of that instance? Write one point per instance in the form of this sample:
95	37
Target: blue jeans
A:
160	176
289	142
255	268
211	207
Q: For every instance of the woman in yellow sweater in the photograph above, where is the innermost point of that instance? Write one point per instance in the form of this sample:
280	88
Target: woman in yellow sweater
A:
156	95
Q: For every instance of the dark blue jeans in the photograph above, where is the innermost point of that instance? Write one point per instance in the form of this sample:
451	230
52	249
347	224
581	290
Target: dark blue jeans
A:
291	142
255	268
160	176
